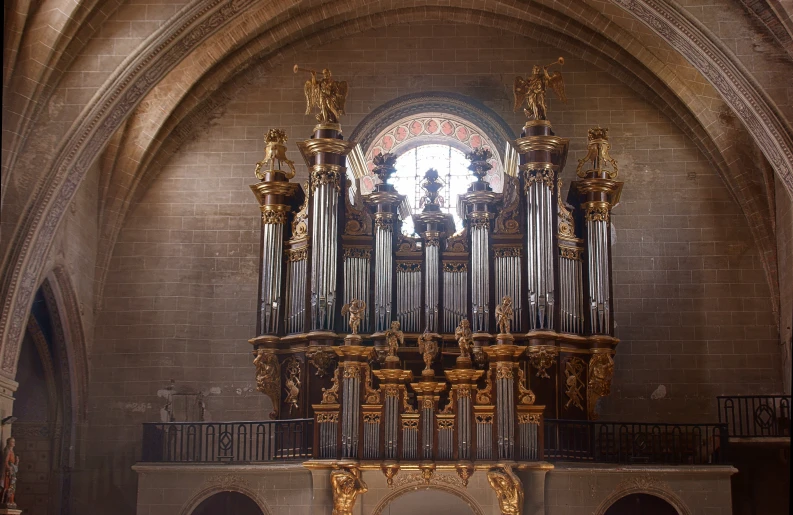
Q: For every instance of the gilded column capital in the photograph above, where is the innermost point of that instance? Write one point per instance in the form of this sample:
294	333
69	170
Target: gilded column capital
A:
274	213
326	174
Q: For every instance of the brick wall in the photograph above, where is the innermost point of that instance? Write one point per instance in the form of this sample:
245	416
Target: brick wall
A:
784	233
692	304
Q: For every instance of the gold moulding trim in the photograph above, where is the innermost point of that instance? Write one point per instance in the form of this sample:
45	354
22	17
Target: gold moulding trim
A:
528	418
312	147
262	189
597	213
408	267
455	268
323	418
537	165
296	254
357	253
506	252
540	143
570	252
323	174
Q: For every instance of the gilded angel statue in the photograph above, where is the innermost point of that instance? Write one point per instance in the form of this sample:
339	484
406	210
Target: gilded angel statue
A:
354	310
325	94
394	337
532	90
428	348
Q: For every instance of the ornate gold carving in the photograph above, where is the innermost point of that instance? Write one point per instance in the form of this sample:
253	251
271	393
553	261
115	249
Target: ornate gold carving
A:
566	221
464	339
455	268
445	423
323	418
354	309
358	220
465	471
504	370
352	370
384	220
408	267
532	90
408	244
570	252
292	381
457	242
504	315
325	174
275	150
597	153
426	472
274	213
427	404
428	348
597	212
406	407
479	158
296	254
505	252
542	358
528	418
449	408
322	360
479	219
410	423
325	94
508	489
390	471
357	252
601	370
438	479
331	395
432	241
394	337
525	395
391	390
484	396
268	378
347	485
484	419
544	176
573	368
371	418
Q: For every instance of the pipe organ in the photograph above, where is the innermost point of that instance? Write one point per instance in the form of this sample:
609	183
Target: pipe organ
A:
502	323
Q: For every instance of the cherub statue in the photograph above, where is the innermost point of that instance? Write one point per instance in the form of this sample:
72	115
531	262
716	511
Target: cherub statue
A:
504	315
532	90
428	348
394	337
275	150
354	309
326	94
464	340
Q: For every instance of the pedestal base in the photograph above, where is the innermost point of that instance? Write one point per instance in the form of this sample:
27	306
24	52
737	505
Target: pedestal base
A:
10	511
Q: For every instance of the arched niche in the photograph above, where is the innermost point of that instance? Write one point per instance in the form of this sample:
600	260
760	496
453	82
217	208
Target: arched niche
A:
641	504
432	500
227	503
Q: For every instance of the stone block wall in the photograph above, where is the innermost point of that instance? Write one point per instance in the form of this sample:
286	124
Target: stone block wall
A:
692	305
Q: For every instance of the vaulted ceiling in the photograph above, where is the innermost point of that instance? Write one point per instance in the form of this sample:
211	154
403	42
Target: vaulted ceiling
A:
113	83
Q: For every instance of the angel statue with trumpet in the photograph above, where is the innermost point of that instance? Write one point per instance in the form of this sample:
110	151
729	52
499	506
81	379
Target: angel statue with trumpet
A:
326	94
532	90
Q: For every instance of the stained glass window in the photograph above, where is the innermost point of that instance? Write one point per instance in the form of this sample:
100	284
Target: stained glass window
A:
452	167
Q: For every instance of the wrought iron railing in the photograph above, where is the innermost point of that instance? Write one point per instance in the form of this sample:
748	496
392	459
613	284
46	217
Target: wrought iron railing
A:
207	442
635	443
756	416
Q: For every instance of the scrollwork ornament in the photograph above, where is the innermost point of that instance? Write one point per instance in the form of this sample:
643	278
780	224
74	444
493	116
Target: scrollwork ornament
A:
598	154
507	219
484	395
358	220
573	369
292	383
322	360
331	395
371	396
525	395
275	150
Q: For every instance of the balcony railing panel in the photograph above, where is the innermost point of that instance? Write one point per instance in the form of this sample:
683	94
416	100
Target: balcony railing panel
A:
756	416
635	443
210	442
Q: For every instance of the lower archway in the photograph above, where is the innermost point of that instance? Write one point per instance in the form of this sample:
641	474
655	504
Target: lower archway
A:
641	504
427	501
227	503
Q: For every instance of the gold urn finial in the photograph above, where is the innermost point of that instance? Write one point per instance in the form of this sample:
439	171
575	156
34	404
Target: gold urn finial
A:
275	150
598	155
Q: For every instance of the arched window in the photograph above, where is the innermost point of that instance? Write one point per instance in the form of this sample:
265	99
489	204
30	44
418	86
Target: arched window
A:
452	168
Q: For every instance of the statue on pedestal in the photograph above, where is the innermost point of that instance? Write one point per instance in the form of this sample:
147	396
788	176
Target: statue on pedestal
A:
428	348
9	475
532	90
394	337
504	315
325	94
464	340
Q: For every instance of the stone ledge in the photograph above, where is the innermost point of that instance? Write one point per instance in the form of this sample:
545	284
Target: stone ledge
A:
614	468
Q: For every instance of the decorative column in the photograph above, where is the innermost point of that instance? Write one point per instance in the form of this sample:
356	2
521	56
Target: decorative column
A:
599	193
539	149
385	202
432	224
275	195
571	295
325	155
428	394
479	203
392	383
463	378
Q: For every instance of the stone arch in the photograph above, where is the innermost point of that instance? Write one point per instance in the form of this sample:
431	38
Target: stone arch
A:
224	486
398	492
648	486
